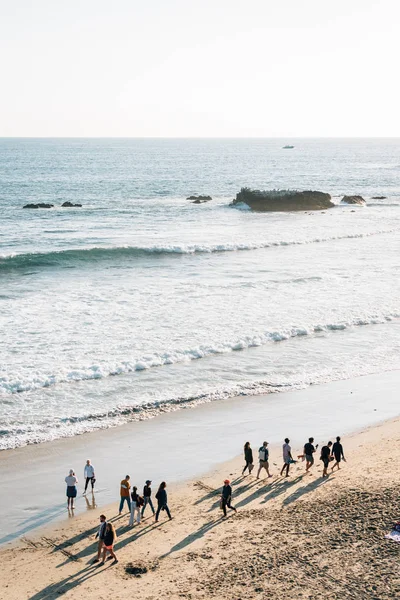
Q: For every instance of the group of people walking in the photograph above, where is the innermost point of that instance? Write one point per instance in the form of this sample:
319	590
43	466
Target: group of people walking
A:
330	452
137	503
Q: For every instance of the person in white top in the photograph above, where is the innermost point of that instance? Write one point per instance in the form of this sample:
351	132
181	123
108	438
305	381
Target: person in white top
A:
89	475
287	457
71	480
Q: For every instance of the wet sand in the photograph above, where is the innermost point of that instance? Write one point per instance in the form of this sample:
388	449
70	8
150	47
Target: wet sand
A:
297	537
181	445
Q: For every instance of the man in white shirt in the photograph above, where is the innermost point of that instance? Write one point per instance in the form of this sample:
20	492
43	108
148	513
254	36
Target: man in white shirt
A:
89	475
287	457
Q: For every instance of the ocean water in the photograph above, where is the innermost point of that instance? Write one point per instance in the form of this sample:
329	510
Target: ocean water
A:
141	302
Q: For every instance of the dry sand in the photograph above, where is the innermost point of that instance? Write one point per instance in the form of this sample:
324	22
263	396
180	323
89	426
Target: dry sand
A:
301	537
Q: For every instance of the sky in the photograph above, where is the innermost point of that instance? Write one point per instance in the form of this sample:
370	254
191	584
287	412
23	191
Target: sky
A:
199	68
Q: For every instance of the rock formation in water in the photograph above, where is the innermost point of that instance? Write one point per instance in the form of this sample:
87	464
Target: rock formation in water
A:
70	205
199	199
283	200
378	197
39	205
353	200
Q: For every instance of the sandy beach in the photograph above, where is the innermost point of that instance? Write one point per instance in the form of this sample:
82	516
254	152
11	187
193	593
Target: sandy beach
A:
300	537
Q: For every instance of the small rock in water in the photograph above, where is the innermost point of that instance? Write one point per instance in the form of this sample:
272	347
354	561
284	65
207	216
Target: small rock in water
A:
70	205
39	205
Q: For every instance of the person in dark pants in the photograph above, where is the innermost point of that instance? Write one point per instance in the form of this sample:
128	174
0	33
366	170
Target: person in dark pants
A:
147	497
124	493
325	457
89	475
337	452
162	500
100	535
226	497
248	457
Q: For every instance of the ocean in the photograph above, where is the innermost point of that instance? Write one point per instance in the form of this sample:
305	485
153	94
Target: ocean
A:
141	302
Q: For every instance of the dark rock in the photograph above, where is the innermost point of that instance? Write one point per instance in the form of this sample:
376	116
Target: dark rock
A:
378	197
199	199
70	205
283	200
353	200
39	205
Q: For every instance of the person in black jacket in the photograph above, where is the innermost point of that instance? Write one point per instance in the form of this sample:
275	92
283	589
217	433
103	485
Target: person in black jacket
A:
162	500
325	457
109	541
248	457
337	452
147	497
100	535
226	497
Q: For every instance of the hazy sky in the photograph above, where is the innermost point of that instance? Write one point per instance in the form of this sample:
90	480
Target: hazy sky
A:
199	68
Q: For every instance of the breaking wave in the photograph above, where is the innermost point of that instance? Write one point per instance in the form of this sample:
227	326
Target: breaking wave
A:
12	385
93	254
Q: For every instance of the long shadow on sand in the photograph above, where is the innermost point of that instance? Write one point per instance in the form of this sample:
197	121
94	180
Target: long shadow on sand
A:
313	485
280	487
54	590
192	537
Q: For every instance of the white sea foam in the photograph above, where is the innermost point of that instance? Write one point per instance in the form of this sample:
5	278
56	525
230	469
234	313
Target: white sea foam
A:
12	385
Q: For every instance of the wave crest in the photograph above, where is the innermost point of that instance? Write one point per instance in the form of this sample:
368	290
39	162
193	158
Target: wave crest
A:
9	385
59	257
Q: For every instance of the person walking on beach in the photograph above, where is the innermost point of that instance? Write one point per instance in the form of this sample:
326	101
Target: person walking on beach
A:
162	500
226	497
287	457
337	452
124	493
71	480
147	497
136	504
89	475
100	535
309	453
325	457
248	457
263	456
108	543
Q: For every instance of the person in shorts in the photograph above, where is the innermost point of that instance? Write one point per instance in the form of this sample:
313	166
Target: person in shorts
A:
309	453
110	538
287	457
263	456
326	457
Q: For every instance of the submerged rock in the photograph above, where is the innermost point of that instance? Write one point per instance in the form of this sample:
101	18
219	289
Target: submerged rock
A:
379	197
283	200
199	199
353	200
39	205
70	205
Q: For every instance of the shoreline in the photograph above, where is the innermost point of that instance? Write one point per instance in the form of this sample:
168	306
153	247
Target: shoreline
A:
296	529
178	446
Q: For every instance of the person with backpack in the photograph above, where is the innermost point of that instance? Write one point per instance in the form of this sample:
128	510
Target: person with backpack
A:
162	500
337	452
309	452
226	497
147	497
326	457
136	505
248	457
263	457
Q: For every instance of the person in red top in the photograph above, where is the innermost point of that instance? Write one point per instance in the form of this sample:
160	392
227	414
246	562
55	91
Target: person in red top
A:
124	493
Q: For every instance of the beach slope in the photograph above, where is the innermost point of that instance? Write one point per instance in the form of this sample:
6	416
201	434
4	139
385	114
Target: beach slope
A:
301	537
